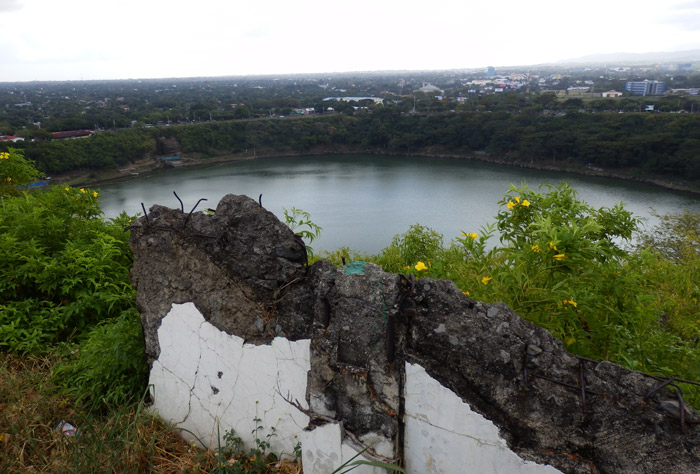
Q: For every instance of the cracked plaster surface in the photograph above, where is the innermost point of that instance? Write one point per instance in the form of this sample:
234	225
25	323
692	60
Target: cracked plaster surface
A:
207	382
443	434
324	450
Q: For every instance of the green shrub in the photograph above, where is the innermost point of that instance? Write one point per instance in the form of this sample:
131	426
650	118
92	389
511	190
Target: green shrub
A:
16	171
109	367
561	264
62	268
64	277
419	243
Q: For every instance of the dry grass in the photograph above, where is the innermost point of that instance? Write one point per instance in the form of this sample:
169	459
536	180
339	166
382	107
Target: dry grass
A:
124	440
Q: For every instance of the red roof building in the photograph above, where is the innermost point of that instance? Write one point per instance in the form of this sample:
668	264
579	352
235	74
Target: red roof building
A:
71	134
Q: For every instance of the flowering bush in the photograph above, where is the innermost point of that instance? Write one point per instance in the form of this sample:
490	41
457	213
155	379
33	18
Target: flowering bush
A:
62	268
560	264
64	277
15	172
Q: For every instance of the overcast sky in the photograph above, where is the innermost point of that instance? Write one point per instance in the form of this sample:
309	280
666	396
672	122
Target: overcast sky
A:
115	39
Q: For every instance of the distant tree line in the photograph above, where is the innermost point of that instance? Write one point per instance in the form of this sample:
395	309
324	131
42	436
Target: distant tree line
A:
652	144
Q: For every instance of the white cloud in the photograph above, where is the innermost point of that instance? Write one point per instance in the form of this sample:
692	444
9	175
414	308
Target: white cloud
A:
70	39
10	5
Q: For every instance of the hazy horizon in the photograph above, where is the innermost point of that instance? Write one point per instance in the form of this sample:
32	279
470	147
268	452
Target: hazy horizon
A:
48	40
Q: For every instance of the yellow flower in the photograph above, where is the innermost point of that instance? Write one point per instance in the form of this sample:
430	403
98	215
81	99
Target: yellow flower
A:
420	266
510	205
535	248
4	156
570	302
559	256
552	246
517	198
473	235
66	188
486	280
82	190
525	203
570	340
94	194
466	292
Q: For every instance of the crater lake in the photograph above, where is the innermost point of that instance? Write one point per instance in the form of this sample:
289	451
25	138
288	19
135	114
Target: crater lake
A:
362	201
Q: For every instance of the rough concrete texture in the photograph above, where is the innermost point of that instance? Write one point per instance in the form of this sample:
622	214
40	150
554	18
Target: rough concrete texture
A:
230	265
245	272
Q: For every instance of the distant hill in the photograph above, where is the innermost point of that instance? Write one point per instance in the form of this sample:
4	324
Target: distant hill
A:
688	56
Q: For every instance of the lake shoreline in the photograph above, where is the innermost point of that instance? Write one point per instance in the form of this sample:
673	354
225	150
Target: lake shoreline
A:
150	165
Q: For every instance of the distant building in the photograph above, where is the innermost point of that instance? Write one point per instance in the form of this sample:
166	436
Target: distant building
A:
376	100
490	71
612	94
519	77
645	87
71	134
685	67
685	91
430	89
10	138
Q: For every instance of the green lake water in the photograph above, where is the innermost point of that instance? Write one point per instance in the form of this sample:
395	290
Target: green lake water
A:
362	201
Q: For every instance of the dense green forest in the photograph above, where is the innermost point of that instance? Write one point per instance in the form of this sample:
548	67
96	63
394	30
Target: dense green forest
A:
657	145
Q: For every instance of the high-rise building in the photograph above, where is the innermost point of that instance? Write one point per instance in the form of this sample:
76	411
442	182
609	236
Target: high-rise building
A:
645	87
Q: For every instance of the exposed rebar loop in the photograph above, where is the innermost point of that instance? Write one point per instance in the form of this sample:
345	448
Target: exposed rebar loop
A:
524	373
390	342
182	206
581	387
145	214
658	388
582	384
670	382
260	200
187	219
681	406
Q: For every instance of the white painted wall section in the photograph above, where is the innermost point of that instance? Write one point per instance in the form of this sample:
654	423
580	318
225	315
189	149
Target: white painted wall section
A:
444	435
324	451
207	382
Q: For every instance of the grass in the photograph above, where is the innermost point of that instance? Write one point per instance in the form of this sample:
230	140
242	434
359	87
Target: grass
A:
124	439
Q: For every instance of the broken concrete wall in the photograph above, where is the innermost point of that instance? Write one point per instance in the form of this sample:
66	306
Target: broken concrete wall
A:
207	382
238	328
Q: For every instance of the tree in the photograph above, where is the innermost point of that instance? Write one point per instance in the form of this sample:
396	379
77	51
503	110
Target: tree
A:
15	172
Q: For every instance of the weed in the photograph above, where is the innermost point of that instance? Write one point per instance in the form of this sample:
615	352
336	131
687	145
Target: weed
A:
354	463
234	458
300	222
122	439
